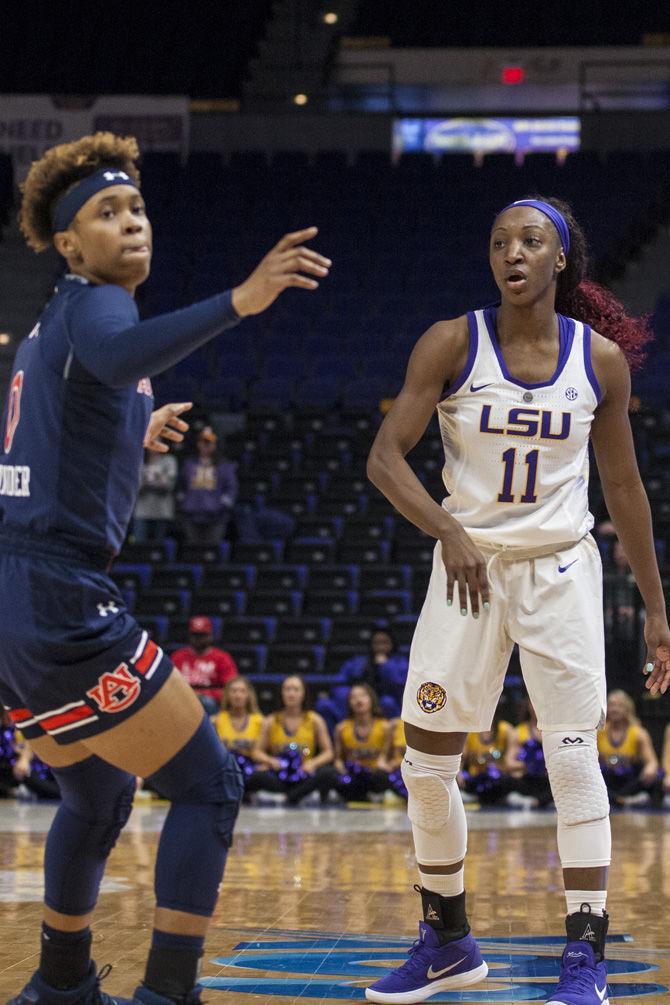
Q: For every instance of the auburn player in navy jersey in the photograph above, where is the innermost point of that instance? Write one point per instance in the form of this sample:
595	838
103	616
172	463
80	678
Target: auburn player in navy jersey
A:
520	388
96	698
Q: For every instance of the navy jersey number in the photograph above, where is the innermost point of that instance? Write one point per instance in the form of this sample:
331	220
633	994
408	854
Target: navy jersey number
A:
509	460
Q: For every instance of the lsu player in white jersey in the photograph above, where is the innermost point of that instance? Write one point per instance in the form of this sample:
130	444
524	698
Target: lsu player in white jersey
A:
520	389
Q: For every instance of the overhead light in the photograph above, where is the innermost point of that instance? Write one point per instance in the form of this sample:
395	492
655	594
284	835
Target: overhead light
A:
5	338
330	17
300	99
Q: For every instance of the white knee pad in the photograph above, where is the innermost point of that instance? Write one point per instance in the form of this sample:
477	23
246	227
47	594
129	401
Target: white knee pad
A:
580	795
435	807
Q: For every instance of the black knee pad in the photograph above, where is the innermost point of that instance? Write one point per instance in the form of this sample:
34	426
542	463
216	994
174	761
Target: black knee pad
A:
203	771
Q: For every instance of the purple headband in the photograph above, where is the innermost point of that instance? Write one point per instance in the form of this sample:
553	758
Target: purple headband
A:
69	204
554	215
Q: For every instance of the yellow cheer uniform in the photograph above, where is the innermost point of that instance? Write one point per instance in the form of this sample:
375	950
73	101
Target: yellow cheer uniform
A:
477	754
363	751
399	741
304	738
627	750
239	740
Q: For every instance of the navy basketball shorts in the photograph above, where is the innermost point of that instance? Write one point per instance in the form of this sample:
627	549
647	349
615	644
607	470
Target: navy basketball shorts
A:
73	662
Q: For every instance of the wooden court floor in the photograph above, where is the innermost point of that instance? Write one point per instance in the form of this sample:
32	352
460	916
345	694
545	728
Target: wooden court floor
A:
317	903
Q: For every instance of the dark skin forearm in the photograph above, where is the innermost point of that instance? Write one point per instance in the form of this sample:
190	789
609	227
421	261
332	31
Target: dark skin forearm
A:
391	474
629	509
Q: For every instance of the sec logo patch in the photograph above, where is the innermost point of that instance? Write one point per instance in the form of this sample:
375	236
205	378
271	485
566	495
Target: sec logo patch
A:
431	697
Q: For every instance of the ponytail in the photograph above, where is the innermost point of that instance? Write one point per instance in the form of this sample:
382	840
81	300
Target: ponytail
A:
580	298
597	307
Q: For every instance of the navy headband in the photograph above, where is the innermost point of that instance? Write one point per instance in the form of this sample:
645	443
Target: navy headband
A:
554	215
69	204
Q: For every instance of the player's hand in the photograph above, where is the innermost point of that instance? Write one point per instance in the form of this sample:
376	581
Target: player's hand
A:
282	267
466	566
165	424
657	667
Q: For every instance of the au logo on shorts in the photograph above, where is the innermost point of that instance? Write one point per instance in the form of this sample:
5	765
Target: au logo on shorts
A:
115	691
431	697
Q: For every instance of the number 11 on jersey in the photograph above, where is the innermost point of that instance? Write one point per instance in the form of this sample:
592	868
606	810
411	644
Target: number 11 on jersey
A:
509	460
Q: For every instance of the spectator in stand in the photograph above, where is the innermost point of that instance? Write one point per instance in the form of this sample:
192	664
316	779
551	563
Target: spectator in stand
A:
208	490
627	757
361	741
619	594
524	761
206	668
382	668
484	773
665	763
299	748
239	725
155	507
20	766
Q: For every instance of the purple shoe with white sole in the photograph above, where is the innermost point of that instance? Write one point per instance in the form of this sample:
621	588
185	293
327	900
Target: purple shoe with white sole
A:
583	981
430	968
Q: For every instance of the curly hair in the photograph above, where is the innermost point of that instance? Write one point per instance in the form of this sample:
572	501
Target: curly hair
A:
59	169
587	301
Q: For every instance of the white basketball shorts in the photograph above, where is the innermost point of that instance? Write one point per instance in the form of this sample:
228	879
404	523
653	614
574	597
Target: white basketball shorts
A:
551	606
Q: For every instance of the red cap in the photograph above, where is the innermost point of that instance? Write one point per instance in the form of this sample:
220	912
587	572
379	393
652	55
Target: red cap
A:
200	626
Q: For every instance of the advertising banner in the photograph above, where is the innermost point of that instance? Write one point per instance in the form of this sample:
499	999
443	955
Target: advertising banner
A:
487	135
30	123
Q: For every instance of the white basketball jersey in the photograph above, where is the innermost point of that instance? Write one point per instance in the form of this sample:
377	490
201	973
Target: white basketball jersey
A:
516	455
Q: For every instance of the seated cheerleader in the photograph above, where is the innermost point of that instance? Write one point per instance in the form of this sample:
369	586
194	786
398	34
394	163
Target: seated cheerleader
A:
19	765
524	760
360	744
298	748
627	757
239	725
483	771
395	751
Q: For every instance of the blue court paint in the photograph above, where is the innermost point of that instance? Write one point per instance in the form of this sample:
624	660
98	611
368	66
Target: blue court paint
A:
368	965
343	991
518	972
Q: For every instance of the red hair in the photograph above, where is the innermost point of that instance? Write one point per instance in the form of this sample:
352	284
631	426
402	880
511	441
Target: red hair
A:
598	307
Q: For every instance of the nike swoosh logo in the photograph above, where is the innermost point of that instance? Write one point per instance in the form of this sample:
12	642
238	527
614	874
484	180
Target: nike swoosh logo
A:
601	994
432	974
564	568
480	388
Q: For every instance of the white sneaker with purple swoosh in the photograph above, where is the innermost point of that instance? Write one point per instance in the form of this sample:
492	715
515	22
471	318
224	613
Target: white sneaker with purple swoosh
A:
582	980
430	968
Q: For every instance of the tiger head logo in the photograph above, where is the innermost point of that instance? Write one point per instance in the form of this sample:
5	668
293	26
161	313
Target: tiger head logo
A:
431	697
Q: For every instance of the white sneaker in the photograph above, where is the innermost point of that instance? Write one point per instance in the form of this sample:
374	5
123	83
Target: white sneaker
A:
518	801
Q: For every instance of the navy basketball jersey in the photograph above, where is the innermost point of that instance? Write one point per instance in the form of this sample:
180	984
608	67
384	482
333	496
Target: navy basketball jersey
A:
72	445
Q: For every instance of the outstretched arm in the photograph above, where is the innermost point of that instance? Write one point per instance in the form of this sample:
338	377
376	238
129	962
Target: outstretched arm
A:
118	352
627	503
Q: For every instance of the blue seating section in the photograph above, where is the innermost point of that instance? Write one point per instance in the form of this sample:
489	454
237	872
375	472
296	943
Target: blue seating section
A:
409	246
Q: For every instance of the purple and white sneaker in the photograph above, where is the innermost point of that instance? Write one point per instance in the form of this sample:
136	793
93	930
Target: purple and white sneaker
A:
429	969
582	980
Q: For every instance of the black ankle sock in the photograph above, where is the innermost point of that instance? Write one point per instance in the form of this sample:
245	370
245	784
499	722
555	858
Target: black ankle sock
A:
173	964
583	926
65	958
445	915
